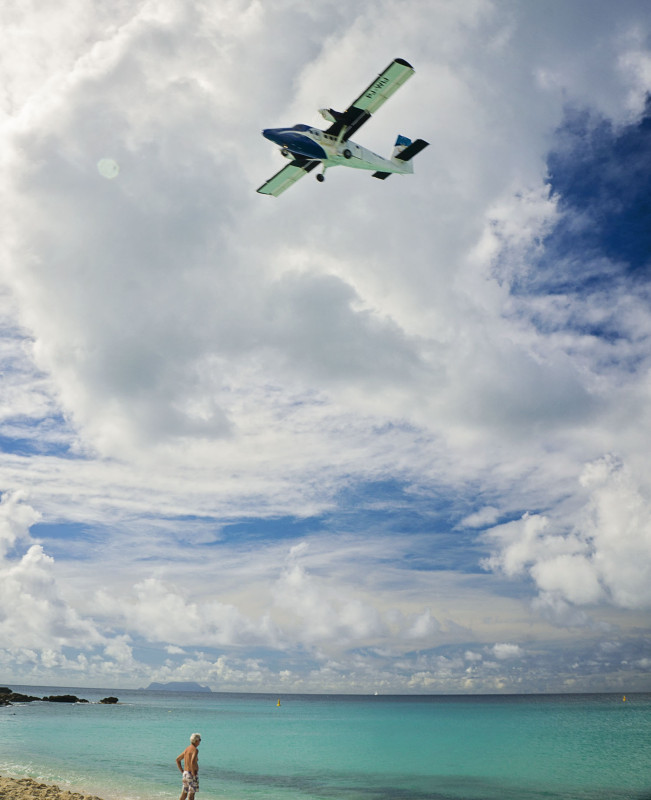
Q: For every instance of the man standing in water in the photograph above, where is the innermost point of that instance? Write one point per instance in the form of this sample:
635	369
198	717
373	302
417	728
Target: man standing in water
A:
190	768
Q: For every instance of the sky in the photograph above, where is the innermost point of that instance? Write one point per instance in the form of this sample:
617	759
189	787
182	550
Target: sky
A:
369	436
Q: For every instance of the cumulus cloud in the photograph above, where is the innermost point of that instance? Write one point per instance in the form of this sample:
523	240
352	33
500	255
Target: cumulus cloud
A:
120	651
605	557
16	518
34	613
322	612
618	524
423	626
505	651
166	614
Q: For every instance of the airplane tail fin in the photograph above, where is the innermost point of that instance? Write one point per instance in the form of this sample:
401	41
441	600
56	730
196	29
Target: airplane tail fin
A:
403	151
402	143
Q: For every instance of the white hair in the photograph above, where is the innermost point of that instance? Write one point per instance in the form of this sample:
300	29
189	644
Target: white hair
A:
196	737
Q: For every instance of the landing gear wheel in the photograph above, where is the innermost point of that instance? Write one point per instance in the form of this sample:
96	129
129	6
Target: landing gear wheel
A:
320	177
347	153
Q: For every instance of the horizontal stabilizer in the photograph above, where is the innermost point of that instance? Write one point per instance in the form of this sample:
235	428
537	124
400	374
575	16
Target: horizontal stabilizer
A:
404	150
413	149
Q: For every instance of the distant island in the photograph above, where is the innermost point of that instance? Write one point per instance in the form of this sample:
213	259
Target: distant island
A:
178	686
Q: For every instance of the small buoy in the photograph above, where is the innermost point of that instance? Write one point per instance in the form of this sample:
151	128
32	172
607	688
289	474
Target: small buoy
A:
278	703
624	699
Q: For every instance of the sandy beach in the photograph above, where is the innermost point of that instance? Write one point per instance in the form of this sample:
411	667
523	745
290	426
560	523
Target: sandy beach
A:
28	789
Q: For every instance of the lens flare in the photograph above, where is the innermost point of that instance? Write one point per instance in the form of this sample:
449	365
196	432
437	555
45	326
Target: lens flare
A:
108	168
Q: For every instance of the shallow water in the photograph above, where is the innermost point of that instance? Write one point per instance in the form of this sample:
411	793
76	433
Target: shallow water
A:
583	747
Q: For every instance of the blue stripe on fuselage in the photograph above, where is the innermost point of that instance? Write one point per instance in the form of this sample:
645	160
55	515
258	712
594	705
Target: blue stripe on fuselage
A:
295	142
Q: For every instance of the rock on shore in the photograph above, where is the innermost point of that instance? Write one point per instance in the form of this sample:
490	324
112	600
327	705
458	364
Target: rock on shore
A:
28	789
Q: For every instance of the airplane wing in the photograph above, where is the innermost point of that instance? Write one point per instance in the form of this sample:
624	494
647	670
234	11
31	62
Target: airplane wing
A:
352	119
287	176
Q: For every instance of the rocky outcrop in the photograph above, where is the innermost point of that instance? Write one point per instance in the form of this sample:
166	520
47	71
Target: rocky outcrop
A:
109	701
7	698
64	698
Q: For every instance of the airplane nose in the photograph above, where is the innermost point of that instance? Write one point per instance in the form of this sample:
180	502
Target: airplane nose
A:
273	134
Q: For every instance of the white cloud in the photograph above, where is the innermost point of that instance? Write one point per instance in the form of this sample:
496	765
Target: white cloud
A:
119	650
321	612
482	518
424	626
519	543
16	518
164	614
33	611
506	651
607	555
617	522
571	575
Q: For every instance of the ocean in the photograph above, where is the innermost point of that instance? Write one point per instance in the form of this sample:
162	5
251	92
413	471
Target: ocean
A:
343	747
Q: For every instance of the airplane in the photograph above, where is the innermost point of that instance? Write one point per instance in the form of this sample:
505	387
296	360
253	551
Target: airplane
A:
309	147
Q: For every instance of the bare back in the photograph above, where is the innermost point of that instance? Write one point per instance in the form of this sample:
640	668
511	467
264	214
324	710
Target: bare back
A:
190	758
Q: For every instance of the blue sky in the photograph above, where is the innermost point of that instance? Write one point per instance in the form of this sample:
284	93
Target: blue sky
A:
368	436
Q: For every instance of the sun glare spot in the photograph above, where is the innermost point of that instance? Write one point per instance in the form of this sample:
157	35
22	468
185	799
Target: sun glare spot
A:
108	168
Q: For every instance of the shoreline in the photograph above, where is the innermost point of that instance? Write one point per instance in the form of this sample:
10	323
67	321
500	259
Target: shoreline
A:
30	789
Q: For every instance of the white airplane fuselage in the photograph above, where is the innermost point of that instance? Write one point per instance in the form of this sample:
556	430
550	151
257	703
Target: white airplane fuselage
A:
313	143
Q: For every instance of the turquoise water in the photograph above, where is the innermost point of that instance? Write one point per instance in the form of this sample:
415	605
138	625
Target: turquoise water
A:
583	747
